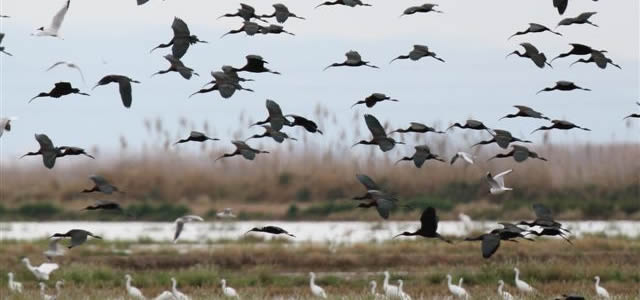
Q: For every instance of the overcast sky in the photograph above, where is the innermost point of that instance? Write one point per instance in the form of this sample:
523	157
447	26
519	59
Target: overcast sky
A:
114	37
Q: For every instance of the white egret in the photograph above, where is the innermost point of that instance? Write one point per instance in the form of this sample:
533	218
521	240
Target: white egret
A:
133	291
521	285
14	286
42	271
316	290
600	291
457	291
502	293
228	291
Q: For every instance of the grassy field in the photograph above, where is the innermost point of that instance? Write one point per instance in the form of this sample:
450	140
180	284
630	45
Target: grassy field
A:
260	270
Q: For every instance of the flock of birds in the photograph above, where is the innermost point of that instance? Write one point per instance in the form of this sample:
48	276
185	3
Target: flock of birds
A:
227	81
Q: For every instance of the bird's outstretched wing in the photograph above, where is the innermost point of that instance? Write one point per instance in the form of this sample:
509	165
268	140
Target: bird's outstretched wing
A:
490	244
374	126
125	92
59	17
429	220
542	212
367	182
500	177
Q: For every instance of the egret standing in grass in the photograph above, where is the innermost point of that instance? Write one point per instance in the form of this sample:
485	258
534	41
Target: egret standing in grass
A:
177	294
14	286
403	295
316	290
228	291
458	291
600	291
390	291
374	293
502	293
43	286
42	271
133	291
521	285
180	224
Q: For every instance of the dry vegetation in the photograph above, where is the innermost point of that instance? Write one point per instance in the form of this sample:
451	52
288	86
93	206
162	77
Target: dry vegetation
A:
262	270
314	177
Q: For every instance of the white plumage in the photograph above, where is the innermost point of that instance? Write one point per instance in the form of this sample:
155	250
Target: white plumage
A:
403	295
166	295
316	290
174	290
391	291
68	65
521	285
502	293
180	224
374	293
457	291
44	296
600	291
496	183
228	291
226	213
14	286
56	22
42	271
133	291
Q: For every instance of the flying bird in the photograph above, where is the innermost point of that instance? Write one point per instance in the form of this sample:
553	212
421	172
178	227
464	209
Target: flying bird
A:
255	64
374	98
417	128
471	124
464	156
1	47
274	29
243	149
101	185
271	229
382	201
418	52
60	89
47	150
380	137
78	236
276	135
353	60
501	137
422	154
124	85
428	226
563	85
424	8
491	241
525	112
519	154
349	3
531	52
496	183
248	27
54	249
281	13
275	118
181	40
68	65
104	205
599	58
544	219
226	83
52	30
535	28
246	12
303	122
196	136
180	224
561	5
562	125
177	66
576	49
582	18
5	124
70	150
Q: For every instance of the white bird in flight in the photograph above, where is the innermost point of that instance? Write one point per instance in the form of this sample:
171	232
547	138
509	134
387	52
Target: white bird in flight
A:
226	213
464	155
54	249
68	65
180	224
53	29
496	183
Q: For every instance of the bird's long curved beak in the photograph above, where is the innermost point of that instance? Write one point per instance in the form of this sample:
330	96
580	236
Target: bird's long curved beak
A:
34	98
540	91
491	158
512	53
326	68
534	130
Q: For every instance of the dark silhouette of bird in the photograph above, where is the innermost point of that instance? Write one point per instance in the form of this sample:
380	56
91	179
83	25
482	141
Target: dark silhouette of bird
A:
353	60
177	66
374	98
535	28
196	136
562	125
525	112
428	226
248	27
282	13
599	58
140	2
633	115
375	197
69	150
5	16
226	83
124	85
582	18
563	85
78	236
418	52
181	40
519	154
100	184
1	47
418	128
243	149
246	12
471	124
424	8
255	64
105	205
531	52
576	49
490	243
276	118
544	219
510	232
501	137
380	137
570	297
270	229
422	154
47	150
276	135
60	89
303	122
350	3
274	29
